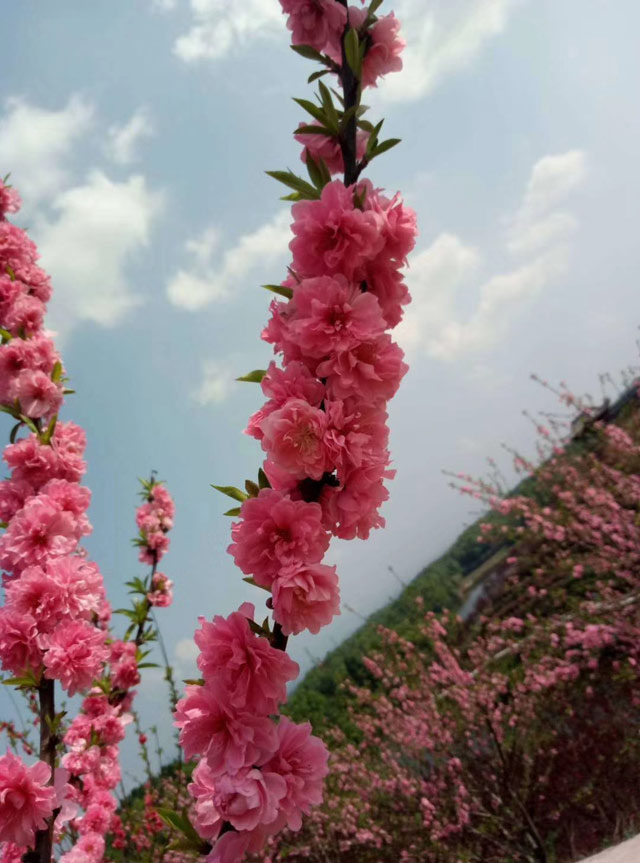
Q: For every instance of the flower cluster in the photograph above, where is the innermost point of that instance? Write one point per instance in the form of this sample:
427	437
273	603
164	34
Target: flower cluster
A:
154	519
53	625
93	736
324	432
253	774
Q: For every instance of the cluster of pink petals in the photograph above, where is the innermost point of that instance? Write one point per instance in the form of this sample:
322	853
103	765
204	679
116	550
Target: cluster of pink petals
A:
53	623
250	775
155	519
323	429
26	799
161	593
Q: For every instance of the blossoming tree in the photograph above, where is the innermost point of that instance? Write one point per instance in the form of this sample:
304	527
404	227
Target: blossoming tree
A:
55	623
324	433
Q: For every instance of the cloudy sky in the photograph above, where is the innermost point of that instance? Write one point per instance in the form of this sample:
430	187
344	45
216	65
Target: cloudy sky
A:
139	132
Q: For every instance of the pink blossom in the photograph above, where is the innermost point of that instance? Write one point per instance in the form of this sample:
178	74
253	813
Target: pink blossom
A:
161	594
97	819
19	649
386	282
31	461
39	596
305	597
293	436
38	395
75	655
88	849
318	23
332	316
26	799
163	504
38	532
371	372
81	583
279	385
352	510
385	46
327	148
301	760
13	495
333	236
357	436
25	316
16	249
399	223
9	200
70	441
246	799
252	673
229	740
12	853
276	531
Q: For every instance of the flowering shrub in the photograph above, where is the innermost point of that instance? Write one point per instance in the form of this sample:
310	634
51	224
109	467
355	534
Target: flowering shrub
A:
324	434
510	739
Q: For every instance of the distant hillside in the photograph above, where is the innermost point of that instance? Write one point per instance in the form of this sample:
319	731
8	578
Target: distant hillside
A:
319	697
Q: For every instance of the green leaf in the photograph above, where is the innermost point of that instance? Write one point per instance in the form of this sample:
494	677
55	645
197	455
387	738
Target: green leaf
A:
194	681
327	103
11	273
318	171
263	479
288	178
231	491
315	75
14	432
46	437
254	377
56	374
313	130
252	488
27	680
371	11
352	50
6	335
317	113
127	612
384	146
148	665
252	582
279	289
181	823
233	512
309	53
4	525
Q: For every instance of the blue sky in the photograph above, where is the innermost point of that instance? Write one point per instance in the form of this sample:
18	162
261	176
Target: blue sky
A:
139	134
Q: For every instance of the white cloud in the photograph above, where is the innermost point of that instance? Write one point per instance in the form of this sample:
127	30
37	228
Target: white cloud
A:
205	281
446	272
123	140
36	143
538	222
215	385
437	273
442	39
502	297
99	227
219	26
